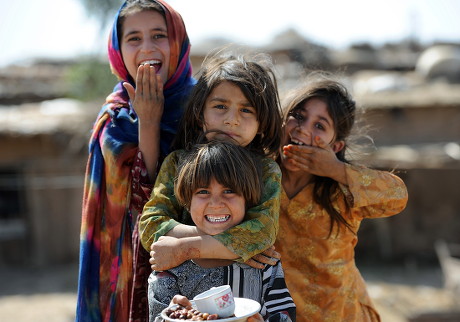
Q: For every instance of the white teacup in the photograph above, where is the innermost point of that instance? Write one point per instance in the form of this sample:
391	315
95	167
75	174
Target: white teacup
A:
217	300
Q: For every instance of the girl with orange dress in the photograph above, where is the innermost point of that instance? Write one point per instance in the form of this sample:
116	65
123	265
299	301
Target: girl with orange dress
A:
323	202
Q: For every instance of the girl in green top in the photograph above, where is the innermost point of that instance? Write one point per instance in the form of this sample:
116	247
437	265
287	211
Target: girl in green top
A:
235	98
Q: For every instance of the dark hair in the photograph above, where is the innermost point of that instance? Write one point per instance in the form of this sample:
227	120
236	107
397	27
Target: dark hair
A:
135	6
256	79
229	164
342	109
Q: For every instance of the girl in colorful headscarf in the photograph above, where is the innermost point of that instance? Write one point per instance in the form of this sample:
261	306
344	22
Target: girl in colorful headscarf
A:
149	53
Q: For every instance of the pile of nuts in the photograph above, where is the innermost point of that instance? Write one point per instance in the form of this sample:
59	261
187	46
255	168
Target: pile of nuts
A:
182	313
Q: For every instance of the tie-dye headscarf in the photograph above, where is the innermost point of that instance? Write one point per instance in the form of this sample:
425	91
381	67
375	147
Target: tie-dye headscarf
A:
106	250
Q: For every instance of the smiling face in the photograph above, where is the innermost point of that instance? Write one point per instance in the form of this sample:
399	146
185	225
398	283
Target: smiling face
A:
145	41
309	120
216	208
228	110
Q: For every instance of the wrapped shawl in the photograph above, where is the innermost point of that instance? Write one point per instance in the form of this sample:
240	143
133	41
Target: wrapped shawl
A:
106	246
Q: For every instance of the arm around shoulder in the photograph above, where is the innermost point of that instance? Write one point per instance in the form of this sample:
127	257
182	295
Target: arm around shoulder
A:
162	212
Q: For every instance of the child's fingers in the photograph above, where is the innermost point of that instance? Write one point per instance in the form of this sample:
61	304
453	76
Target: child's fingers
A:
131	91
152	257
146	81
302	164
254	264
153	82
155	86
300	154
298	148
263	259
271	252
139	76
152	261
181	300
159	85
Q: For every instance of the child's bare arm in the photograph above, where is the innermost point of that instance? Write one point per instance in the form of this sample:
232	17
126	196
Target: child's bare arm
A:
162	212
170	252
184	242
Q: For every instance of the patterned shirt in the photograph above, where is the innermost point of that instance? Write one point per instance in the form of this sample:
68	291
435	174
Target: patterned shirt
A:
320	270
256	233
266	286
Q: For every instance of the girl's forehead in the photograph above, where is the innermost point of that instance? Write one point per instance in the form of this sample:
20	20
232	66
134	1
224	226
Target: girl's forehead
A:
302	107
313	103
228	90
315	107
140	18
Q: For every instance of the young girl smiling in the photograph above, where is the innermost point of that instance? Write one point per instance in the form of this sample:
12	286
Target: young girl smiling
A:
324	200
149	53
216	183
235	98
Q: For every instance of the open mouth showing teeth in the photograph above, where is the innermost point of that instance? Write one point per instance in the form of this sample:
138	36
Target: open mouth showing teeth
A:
215	219
153	63
297	142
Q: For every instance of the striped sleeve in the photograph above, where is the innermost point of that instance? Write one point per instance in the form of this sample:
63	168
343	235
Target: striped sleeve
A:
266	286
245	281
277	303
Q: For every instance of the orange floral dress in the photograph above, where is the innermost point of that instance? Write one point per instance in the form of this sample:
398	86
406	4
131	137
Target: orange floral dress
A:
320	271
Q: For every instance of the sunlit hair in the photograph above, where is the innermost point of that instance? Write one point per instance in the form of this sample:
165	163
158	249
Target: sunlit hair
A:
233	166
254	75
342	109
133	7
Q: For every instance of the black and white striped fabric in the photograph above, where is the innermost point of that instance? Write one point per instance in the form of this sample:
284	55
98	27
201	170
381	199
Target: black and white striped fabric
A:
266	286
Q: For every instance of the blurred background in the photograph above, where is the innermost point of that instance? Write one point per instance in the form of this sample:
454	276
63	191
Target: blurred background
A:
400	59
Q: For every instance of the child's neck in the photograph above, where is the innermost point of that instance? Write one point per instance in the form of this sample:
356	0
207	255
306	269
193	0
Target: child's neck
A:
294	182
211	262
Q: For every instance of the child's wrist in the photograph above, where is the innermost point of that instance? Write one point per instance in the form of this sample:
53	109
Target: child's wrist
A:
192	245
341	173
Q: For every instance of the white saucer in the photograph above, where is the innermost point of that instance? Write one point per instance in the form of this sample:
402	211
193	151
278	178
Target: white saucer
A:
244	308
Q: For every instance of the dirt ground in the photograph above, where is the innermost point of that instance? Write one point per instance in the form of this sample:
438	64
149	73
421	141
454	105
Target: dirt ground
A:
38	295
400	294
